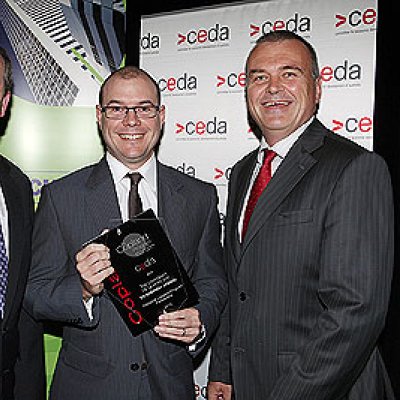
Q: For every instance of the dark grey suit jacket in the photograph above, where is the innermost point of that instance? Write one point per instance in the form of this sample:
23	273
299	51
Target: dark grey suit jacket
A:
21	338
100	359
309	287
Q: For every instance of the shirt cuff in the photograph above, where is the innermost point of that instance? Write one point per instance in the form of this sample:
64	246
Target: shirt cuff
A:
198	340
89	307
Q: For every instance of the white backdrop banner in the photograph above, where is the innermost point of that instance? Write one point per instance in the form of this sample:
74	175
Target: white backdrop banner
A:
198	58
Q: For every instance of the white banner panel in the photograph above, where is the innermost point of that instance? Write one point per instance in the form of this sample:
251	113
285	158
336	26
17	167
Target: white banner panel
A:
198	59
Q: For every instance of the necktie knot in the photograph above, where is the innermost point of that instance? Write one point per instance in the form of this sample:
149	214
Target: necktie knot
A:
135	177
269	155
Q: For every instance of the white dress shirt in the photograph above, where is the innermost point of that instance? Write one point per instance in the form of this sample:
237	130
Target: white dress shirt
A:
147	185
281	149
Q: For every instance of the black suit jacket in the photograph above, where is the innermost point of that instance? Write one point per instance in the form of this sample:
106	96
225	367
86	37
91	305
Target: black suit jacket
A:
309	286
100	359
21	347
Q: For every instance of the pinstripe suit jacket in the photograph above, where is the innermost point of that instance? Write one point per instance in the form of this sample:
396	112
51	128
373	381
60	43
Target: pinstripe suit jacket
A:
100	359
309	286
21	338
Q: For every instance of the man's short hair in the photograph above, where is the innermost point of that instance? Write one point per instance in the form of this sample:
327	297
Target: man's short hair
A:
129	72
282	35
8	80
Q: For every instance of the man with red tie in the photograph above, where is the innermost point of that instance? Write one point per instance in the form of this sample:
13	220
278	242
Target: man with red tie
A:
308	247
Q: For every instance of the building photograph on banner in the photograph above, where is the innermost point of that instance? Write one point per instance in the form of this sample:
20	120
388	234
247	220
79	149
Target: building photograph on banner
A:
197	56
61	51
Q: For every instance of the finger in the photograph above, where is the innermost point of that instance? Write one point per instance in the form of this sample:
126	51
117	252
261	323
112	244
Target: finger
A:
89	249
87	270
186	335
98	273
185	314
93	261
104	273
177	334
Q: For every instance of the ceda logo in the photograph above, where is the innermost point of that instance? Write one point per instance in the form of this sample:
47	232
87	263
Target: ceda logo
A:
178	85
343	74
356	21
297	23
353	125
203	129
217	35
230	81
150	42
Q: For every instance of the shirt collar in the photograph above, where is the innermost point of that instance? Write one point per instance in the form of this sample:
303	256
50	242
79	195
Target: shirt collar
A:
147	170
282	147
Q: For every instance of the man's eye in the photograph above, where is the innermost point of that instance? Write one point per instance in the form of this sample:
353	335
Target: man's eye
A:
259	78
116	109
144	109
290	74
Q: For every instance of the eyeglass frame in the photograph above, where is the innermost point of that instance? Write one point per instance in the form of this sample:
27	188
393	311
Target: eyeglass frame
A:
104	109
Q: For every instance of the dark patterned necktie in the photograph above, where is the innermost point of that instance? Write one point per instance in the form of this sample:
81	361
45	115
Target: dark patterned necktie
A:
134	202
263	177
3	273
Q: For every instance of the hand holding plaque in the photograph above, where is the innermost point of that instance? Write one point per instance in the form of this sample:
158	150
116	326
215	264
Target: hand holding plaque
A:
149	278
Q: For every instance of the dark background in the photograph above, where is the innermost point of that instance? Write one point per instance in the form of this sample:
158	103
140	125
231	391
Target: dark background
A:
386	134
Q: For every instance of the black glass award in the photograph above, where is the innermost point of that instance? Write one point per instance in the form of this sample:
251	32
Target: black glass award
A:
149	278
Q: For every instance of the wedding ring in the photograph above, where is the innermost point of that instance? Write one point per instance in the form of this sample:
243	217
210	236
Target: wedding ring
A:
183	331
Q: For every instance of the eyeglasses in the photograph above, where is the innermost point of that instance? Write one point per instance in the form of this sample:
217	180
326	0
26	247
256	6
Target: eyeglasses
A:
120	112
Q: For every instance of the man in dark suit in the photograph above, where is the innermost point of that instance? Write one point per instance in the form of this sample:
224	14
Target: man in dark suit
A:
99	358
21	338
309	268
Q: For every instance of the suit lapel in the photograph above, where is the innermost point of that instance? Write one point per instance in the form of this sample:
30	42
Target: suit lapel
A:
101	198
243	182
16	219
172	205
294	167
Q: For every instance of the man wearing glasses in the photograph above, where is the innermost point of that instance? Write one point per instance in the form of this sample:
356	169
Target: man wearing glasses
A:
100	359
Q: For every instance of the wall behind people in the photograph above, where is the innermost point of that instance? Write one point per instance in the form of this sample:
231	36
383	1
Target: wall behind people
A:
197	56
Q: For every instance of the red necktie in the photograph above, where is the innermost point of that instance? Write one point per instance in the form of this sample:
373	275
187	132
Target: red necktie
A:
263	177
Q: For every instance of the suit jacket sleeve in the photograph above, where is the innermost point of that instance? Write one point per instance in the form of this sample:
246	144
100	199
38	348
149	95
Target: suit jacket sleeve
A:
219	366
354	285
209	277
30	381
54	290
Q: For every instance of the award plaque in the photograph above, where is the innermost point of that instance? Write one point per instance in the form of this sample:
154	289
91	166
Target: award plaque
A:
149	278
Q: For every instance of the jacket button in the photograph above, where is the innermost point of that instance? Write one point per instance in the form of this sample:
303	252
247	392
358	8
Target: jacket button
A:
242	296
134	367
239	350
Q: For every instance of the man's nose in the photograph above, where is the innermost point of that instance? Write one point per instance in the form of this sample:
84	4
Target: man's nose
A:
274	85
131	118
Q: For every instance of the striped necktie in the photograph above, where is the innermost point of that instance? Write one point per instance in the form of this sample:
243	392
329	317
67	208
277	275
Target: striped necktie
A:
3	273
